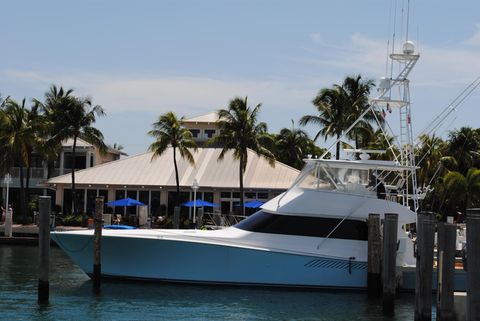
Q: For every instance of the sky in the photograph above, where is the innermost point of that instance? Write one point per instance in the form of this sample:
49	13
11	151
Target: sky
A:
140	59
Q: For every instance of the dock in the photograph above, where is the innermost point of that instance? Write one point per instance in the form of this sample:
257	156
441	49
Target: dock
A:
28	234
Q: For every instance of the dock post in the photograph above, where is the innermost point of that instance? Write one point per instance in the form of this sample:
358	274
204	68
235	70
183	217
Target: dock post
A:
8	222
97	243
446	271
424	266
176	217
389	261
43	249
374	276
473	264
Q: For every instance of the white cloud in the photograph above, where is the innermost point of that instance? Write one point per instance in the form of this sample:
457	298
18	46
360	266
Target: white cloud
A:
437	66
184	95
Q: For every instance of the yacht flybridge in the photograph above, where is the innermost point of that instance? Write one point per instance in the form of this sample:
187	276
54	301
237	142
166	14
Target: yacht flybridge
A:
312	235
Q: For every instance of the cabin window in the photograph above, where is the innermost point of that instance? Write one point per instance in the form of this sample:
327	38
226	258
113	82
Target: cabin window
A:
263	222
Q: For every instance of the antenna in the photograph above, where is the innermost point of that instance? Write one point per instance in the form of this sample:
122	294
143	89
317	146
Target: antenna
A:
408	19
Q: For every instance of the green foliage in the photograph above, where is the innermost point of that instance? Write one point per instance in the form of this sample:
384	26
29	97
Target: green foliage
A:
240	131
170	131
70	117
293	145
339	107
21	131
72	220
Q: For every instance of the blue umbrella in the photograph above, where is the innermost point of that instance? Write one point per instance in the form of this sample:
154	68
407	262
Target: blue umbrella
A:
125	202
253	204
199	203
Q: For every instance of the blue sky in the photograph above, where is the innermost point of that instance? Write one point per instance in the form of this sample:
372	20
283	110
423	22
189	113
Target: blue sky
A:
139	59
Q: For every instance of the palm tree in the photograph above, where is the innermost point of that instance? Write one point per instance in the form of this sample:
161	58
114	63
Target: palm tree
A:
56	101
292	146
461	192
119	148
429	158
464	146
331	117
357	92
73	118
169	131
19	135
239	131
339	107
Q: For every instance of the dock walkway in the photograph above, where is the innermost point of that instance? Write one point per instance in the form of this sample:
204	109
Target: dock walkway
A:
28	234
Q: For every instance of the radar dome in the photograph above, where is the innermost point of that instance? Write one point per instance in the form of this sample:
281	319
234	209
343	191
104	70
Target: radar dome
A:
408	47
384	83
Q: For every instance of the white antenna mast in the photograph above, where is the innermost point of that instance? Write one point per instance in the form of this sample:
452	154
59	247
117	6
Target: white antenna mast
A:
400	99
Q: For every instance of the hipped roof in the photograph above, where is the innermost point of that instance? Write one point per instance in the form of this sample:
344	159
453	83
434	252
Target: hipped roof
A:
207	118
142	170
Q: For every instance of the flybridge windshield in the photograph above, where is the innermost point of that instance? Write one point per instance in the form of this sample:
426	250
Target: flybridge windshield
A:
327	178
356	179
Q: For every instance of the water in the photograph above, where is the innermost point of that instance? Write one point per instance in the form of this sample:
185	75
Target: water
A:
71	297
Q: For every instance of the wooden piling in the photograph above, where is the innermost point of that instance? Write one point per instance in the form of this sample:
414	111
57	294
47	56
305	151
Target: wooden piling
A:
424	266
473	264
8	222
447	235
97	243
176	217
374	275
389	261
43	249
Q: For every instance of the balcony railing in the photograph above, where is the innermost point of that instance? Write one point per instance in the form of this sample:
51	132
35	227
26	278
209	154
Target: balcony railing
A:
35	172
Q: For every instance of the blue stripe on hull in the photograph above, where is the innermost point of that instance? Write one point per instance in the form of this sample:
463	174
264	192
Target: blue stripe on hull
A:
170	260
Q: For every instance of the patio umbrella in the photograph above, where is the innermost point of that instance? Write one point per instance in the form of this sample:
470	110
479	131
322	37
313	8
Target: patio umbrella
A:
199	203
253	204
125	202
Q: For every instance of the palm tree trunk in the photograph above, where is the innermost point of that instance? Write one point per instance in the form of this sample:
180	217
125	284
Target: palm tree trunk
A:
242	207
22	196
74	192
177	196
337	156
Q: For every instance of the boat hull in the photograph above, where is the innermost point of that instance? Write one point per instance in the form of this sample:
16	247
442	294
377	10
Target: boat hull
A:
197	262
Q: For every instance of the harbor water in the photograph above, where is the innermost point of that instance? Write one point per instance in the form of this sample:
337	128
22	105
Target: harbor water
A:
72	298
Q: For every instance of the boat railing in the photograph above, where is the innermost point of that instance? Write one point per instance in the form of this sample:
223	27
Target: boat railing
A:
220	220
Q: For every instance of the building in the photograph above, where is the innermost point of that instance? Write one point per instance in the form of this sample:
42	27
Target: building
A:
202	127
86	156
152	181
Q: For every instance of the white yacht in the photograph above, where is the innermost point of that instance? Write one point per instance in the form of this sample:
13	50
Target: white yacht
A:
312	235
